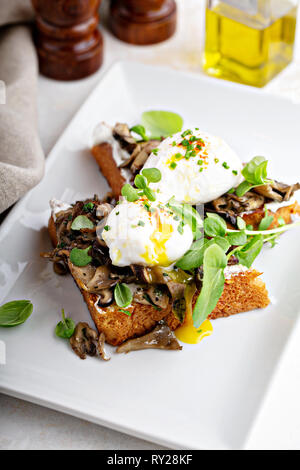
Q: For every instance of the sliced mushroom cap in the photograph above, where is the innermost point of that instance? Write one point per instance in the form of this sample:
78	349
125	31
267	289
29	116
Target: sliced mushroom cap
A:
103	210
158	296
122	133
234	205
142	273
160	338
60	267
101	280
141	157
83	340
84	274
152	295
100	253
101	347
277	191
106	298
132	157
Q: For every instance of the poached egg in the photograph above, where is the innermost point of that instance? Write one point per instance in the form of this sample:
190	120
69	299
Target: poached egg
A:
196	167
145	233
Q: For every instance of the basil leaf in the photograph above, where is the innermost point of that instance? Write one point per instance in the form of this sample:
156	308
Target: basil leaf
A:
251	250
237	239
153	175
214	263
65	328
161	123
214	225
140	130
256	170
123	295
189	216
255	174
82	222
243	188
15	313
80	257
130	193
266	222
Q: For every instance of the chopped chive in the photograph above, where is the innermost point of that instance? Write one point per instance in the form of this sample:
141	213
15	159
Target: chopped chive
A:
173	165
234	172
217	160
141	223
225	165
107	228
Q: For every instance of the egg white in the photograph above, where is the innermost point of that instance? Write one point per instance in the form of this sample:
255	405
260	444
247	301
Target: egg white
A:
135	235
190	182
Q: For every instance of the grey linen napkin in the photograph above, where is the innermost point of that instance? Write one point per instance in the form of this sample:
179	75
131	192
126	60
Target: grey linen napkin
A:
21	155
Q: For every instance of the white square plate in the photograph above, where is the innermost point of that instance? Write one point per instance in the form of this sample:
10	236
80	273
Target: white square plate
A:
208	395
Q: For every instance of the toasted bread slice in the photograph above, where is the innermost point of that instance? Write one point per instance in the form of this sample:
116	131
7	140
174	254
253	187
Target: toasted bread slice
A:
104	157
242	293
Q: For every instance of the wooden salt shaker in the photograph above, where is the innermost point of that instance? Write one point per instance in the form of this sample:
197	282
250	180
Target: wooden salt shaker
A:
143	22
69	43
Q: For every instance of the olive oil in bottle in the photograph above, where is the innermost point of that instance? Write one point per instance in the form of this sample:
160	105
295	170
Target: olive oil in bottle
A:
249	41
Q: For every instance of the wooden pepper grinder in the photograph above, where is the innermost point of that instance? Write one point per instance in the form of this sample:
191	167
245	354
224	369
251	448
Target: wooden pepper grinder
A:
143	22
69	43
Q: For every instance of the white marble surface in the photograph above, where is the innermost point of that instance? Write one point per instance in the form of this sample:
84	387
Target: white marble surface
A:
27	426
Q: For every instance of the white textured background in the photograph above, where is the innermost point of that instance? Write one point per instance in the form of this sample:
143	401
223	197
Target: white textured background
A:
27	426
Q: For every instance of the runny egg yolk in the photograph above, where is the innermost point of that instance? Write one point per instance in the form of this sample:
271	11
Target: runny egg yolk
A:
187	333
159	239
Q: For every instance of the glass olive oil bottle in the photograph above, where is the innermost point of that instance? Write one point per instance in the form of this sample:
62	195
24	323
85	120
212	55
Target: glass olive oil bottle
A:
249	41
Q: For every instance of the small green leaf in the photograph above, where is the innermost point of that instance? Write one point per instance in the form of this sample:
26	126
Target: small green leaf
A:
241	223
255	174
123	295
150	194
141	131
237	239
162	123
250	251
214	225
266	222
140	182
82	222
88	207
243	188
214	263
65	328
15	313
153	175
256	170
130	193
80	257
194	257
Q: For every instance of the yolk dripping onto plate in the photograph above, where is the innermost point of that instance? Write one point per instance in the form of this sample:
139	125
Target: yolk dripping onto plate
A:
187	333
